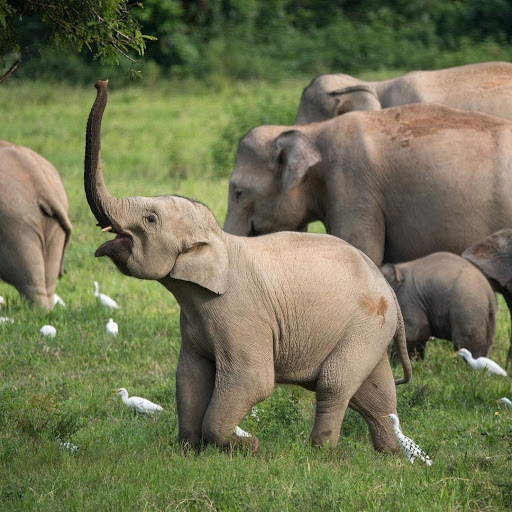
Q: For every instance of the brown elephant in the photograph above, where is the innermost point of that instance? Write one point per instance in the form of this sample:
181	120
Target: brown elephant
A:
445	296
398	183
291	308
484	87
493	256
35	227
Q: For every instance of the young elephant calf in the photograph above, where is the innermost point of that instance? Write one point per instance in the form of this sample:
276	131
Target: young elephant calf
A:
293	308
445	296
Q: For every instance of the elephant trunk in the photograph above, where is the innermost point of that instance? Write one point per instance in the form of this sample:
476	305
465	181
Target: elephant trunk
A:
99	198
235	222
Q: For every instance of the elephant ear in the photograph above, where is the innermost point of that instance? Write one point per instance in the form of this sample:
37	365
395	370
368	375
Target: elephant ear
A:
393	275
493	256
355	97
294	154
204	262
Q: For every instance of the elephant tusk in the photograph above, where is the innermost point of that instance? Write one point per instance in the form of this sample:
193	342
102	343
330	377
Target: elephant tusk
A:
108	228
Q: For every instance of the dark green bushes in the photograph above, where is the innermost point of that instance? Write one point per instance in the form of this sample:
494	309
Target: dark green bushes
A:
275	39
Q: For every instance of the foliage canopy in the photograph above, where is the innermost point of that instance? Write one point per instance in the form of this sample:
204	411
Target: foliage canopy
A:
106	27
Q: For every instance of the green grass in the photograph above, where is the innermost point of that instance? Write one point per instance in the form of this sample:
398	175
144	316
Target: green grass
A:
163	140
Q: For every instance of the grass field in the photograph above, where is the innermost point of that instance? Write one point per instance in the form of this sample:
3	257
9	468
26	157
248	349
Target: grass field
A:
176	138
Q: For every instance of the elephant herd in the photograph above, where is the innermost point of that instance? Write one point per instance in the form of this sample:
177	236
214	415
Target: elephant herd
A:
411	176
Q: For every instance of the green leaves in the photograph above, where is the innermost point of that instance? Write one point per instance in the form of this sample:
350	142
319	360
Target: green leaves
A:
106	27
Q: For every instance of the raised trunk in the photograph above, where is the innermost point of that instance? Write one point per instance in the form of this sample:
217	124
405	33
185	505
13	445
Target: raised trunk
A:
101	202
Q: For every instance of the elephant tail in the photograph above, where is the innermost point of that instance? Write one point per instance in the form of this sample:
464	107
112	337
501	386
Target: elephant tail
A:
54	208
401	346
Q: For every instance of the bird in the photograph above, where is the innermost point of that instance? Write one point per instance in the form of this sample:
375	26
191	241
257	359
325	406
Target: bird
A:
481	363
409	448
66	446
105	300
112	327
3	302
241	433
6	320
58	300
137	403
48	330
505	401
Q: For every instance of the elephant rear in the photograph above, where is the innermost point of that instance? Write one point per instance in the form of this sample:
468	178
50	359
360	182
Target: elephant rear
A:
35	227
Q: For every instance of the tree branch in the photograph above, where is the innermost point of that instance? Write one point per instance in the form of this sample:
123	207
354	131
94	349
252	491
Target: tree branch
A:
10	71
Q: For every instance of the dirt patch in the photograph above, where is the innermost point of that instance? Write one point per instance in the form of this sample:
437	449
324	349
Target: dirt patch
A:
376	307
417	120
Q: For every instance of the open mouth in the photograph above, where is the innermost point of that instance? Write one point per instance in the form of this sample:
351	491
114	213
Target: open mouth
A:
117	248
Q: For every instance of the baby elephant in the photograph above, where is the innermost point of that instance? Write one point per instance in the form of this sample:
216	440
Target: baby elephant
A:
293	308
445	296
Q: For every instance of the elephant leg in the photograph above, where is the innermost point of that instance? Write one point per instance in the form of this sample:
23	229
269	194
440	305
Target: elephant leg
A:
472	334
376	398
341	375
233	397
53	258
28	275
195	380
508	299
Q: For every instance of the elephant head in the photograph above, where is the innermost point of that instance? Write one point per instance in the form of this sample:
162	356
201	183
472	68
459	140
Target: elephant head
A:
268	188
328	96
156	237
493	256
393	275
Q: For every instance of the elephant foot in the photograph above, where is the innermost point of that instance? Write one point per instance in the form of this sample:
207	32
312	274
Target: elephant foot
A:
245	445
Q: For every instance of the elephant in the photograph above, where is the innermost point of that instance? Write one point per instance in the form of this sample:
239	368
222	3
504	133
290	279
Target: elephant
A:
35	226
493	256
445	296
398	183
484	87
293	308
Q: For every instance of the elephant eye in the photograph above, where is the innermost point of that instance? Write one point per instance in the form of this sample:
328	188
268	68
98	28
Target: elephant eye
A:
238	194
151	218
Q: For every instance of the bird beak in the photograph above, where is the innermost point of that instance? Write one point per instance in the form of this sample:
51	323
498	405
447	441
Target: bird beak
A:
455	353
108	228
386	416
115	391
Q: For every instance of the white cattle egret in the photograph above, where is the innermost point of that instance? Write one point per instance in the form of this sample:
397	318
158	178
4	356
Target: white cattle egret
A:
66	446
6	320
505	401
241	433
48	330
3	302
137	403
481	363
105	300
409	448
112	327
58	301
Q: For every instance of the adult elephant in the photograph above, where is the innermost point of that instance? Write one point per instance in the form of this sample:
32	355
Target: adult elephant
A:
34	223
398	183
484	87
493	256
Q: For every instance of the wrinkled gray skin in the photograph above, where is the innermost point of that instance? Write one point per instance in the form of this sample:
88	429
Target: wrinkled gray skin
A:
34	223
290	308
445	296
493	256
398	183
484	87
